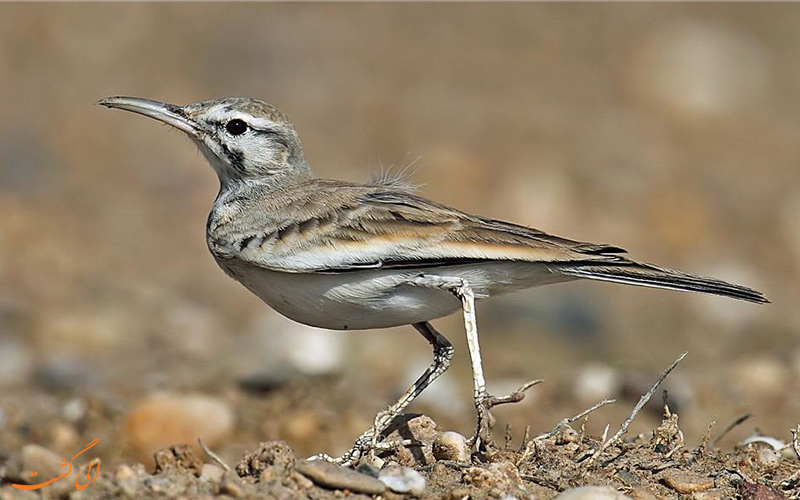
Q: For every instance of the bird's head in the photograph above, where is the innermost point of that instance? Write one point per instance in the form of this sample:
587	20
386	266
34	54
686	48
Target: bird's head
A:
242	138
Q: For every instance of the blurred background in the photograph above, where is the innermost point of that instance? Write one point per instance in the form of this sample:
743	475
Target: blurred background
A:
670	130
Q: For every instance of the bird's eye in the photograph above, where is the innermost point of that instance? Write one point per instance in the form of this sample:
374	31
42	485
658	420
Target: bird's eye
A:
236	127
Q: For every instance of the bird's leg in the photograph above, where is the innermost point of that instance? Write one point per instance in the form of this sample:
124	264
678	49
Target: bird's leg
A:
484	402
368	442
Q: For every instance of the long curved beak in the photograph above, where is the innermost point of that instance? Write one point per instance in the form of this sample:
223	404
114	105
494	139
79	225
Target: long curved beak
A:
161	111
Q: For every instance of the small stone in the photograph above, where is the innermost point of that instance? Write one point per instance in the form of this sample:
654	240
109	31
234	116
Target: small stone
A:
642	493
63	436
16	362
231	488
166	419
768	457
74	409
403	480
451	445
39	459
713	494
339	478
687	482
764	377
499	477
767	451
418	428
302	481
596	381
211	473
775	443
369	469
47	465
270	474
752	491
124	473
591	493
629	478
127	479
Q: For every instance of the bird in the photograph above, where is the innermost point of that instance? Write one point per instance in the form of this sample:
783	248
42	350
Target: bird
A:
349	256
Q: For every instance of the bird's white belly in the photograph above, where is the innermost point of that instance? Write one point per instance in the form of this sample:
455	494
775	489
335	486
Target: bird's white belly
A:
378	298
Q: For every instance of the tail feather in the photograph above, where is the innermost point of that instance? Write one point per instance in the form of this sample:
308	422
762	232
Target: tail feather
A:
634	273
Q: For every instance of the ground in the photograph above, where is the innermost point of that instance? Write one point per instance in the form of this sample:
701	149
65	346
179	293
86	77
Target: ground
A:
521	464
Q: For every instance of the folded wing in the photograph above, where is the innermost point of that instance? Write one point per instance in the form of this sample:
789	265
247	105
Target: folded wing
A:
348	228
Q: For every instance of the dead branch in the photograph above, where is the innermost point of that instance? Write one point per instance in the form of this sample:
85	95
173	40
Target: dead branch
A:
636	409
739	421
213	455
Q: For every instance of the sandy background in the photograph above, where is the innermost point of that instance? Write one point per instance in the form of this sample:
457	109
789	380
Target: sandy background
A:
669	130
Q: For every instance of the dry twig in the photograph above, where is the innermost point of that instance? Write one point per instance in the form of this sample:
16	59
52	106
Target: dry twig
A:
560	425
530	445
739	421
794	478
213	455
636	409
707	437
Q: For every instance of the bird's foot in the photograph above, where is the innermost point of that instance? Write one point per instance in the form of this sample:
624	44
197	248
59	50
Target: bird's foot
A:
367	443
482	440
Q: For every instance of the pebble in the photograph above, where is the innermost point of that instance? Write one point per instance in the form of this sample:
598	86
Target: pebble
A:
451	445
752	491
713	494
643	493
231	488
39	459
293	347
48	465
596	381
764	377
775	444
403	480
687	482
63	436
339	478
127	479
16	362
591	493
497	479
419	428
211	473
124	473
167	419
766	456
74	409
629	478
301	481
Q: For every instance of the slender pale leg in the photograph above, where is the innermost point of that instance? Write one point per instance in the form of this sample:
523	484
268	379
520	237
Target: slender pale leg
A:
442	354
483	400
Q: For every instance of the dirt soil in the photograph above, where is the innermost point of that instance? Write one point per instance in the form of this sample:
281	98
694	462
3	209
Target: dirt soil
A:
658	464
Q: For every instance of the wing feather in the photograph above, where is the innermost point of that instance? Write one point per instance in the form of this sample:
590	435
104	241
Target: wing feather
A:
338	227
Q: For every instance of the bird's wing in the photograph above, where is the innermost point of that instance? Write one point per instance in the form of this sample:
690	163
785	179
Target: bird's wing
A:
370	227
337	228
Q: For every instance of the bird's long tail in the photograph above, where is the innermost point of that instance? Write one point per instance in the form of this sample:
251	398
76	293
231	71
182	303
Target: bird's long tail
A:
634	273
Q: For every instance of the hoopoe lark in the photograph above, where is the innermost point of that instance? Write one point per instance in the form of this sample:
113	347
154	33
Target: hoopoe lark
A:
346	256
